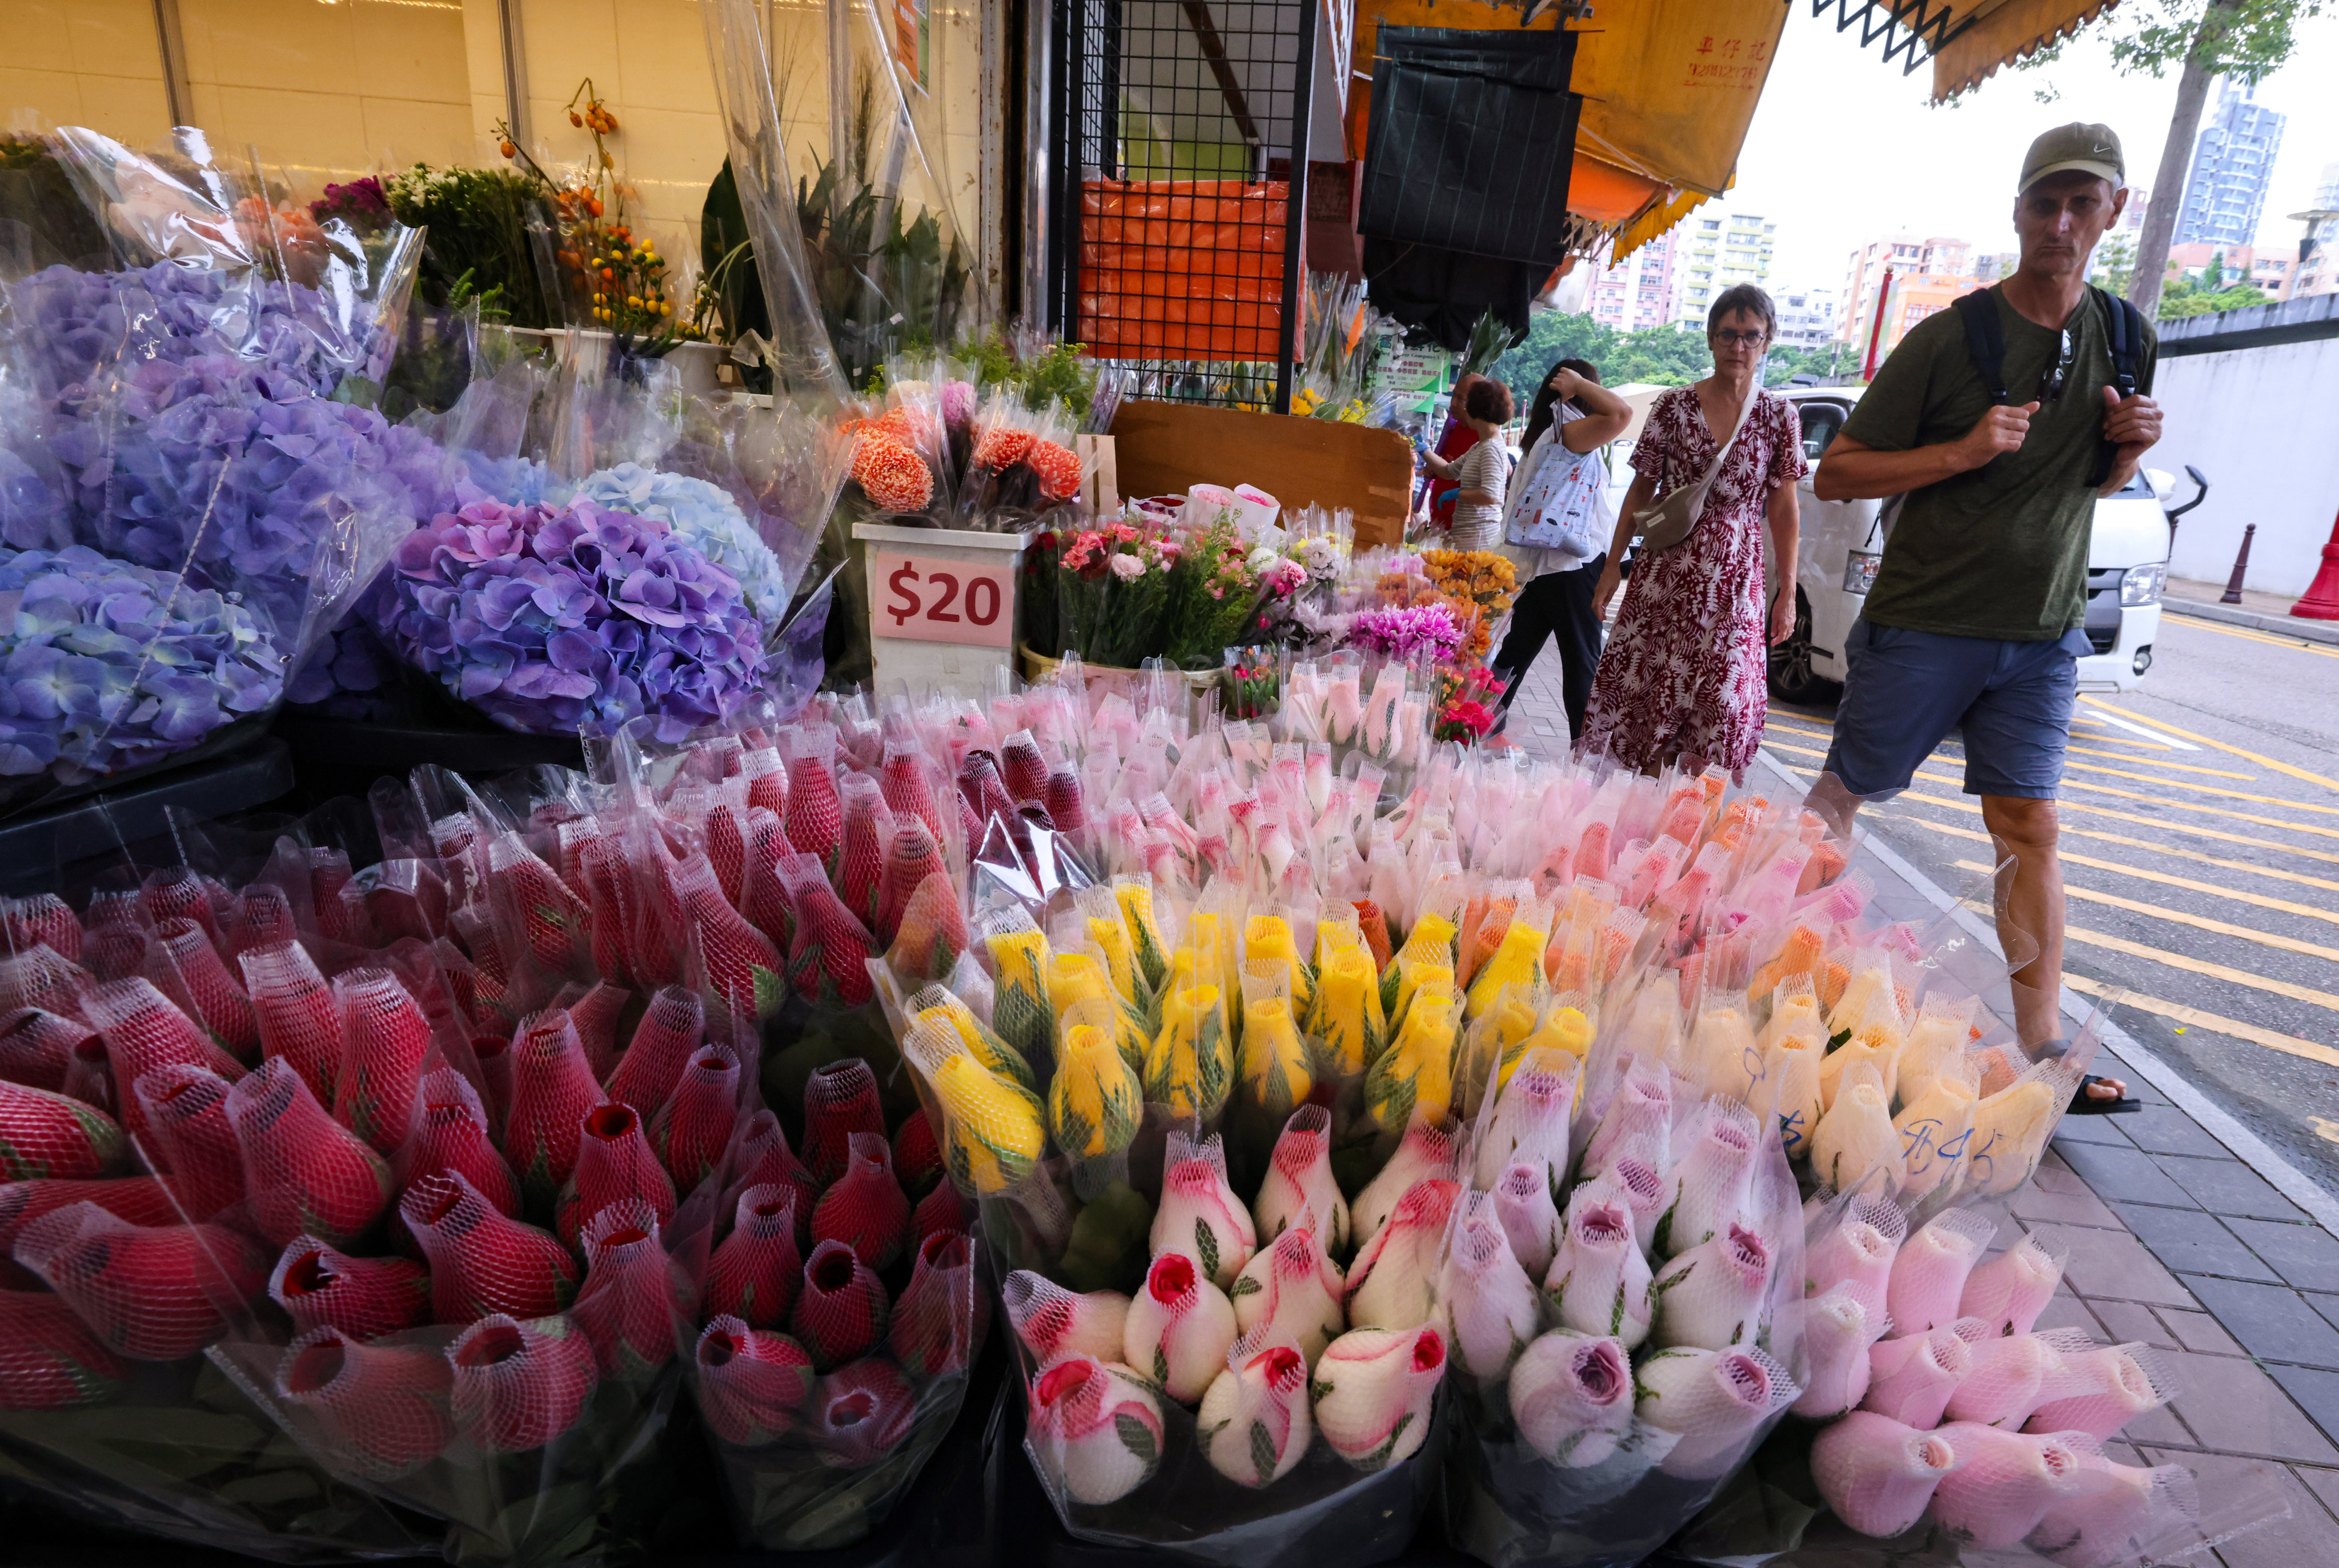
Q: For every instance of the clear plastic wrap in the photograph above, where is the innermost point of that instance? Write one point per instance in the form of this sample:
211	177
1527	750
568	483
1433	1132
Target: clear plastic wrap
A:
181	447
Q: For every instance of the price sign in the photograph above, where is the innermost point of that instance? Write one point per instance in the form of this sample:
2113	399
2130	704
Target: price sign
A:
937	601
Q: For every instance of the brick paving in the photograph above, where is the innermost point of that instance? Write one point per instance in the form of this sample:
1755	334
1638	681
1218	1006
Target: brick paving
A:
2175	1242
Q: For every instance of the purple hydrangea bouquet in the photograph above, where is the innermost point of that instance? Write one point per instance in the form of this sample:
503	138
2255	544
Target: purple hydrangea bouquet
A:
105	665
548	618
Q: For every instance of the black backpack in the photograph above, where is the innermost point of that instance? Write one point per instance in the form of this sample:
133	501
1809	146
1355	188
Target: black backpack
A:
1985	343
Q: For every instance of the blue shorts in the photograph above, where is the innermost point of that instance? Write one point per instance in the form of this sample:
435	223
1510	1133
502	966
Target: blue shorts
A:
1905	690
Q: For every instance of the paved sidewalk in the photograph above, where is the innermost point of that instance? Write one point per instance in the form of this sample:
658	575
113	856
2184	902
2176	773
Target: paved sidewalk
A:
2175	1242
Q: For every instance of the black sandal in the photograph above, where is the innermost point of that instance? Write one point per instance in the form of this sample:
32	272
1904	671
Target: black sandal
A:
2086	1104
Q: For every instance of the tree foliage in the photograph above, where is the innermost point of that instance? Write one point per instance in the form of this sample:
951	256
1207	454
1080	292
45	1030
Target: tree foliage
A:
2252	38
1662	356
2183	296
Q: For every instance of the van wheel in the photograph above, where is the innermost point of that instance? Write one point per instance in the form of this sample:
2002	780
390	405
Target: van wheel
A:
1792	677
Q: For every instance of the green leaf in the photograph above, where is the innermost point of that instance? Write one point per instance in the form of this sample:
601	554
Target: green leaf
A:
1390	982
1160	1367
1244	1284
1379	1456
1838	1038
1206	1241
1317	1390
1262	1452
1136	1436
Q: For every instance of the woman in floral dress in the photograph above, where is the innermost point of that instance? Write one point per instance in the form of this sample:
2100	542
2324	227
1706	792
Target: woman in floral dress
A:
1683	679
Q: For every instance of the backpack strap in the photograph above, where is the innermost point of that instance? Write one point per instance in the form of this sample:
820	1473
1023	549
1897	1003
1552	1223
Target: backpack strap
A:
2127	340
2125	337
1985	340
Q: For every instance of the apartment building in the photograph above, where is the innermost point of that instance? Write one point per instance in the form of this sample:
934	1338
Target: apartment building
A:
2318	269
2233	163
1716	250
1638	290
1808	317
2272	271
1925	273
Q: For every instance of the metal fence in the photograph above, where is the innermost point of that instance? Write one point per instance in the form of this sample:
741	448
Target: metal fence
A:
1179	169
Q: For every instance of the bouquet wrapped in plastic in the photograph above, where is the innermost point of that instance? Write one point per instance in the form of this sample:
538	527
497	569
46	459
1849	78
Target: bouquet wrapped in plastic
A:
1626	1318
175	444
1938	1415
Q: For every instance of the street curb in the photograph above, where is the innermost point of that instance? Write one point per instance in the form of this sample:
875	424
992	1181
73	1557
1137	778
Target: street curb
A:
2248	1147
2280	625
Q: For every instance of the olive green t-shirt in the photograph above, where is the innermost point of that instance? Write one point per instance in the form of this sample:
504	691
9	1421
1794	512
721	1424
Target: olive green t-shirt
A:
1999	551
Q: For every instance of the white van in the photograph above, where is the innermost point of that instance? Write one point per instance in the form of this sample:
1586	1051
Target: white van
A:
1841	543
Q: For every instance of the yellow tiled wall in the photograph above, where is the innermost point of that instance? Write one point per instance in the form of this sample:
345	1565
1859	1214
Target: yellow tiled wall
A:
82	63
327	89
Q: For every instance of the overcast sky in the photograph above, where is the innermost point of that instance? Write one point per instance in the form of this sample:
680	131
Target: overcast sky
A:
1844	148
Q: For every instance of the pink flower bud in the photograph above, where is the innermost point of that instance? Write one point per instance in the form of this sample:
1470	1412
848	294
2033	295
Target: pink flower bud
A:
1929	1275
1523	1207
1096	1428
1642	1107
2010	1375
2118	1511
1293	1289
1199	1214
1373	1388
2102	1390
1572	1396
1859	1255
1911	1378
1485	1296
1836	1338
1054	1323
2009	1291
1877	1474
2004	1482
1298	1188
1711	1295
1388	1285
1598	1277
1255	1424
1427	1152
1713	1402
1178	1327
1530	1123
1713	1183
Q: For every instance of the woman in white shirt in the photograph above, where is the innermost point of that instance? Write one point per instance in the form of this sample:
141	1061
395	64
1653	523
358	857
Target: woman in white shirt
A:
1573	417
1484	471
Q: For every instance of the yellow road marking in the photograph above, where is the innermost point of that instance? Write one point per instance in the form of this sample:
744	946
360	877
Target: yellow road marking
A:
2210	810
2323	1128
2076	858
2191	965
2264	761
2105	811
2155	762
2180	917
2169	827
2252	635
2194	1018
2204	789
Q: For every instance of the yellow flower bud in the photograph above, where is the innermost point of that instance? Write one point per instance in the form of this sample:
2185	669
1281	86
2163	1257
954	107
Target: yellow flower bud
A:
1418	1068
1270	936
995	1139
1111	938
1094	1104
1276	1073
1189	1067
1348	1017
1136	897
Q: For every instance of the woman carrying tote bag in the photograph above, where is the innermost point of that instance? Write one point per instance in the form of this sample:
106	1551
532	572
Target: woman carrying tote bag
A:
1683	679
1556	527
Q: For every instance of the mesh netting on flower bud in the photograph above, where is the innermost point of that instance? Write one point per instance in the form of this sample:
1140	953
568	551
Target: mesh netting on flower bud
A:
1612	1375
1938	1410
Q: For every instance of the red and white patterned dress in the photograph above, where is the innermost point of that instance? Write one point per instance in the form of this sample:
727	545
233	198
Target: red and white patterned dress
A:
1684	672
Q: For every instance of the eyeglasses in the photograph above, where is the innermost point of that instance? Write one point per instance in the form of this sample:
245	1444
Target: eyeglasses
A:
2057	376
1741	339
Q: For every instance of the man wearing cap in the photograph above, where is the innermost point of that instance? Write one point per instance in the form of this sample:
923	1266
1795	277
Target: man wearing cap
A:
1974	623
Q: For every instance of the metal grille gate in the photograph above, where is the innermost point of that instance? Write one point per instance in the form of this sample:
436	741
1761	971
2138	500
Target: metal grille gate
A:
1178	166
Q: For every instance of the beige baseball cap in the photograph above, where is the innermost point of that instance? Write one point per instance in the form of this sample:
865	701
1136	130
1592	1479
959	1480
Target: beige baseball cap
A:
2090	149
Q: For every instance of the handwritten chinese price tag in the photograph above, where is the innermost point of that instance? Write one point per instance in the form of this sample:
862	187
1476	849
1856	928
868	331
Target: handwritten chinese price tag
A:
937	601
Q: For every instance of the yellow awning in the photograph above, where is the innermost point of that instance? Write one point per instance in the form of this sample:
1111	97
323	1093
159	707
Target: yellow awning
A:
1999	32
1654	222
